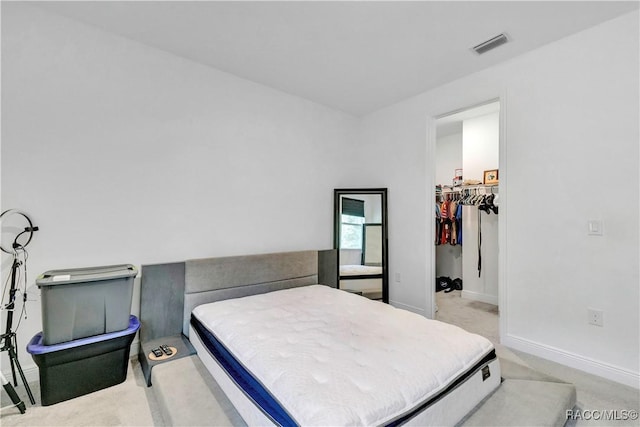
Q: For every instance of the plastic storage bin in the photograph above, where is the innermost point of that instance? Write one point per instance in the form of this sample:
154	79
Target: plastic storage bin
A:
79	303
79	367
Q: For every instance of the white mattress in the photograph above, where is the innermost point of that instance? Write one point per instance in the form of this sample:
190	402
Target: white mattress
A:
359	270
334	358
362	285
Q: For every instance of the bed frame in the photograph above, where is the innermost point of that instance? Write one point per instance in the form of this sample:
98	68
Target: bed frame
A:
169	292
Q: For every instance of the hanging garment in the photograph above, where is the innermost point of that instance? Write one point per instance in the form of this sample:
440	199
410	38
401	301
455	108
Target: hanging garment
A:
459	223
453	238
445	223
479	242
444	209
438	231
446	231
491	203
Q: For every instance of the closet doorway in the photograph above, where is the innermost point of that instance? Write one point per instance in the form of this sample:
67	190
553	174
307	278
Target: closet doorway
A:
467	208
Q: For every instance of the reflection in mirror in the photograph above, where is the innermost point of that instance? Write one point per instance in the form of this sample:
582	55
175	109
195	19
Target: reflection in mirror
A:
360	234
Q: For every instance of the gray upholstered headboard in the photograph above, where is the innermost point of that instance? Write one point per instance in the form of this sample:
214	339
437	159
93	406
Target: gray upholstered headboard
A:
169	292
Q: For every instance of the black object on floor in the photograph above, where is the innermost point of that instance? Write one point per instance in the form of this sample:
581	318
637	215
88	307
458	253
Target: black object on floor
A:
79	367
443	283
13	395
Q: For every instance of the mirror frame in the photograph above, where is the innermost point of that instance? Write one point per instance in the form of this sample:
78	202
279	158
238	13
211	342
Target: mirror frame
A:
337	193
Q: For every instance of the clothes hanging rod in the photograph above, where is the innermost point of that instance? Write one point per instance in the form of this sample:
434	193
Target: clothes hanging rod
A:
466	187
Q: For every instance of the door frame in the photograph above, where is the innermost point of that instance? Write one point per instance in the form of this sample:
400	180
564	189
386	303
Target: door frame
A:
502	218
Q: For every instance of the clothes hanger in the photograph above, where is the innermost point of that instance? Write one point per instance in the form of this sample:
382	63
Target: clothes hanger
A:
484	205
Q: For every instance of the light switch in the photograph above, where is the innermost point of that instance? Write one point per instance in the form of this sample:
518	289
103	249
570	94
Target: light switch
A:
595	227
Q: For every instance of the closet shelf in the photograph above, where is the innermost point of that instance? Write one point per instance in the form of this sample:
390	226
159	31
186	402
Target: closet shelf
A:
457	189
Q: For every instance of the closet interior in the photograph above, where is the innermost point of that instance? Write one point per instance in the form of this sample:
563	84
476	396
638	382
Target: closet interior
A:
467	204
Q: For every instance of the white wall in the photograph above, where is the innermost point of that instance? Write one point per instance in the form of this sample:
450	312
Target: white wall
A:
449	155
570	113
480	148
449	261
125	154
480	152
484	286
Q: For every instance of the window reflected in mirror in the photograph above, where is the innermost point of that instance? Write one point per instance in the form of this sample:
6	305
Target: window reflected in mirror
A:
360	236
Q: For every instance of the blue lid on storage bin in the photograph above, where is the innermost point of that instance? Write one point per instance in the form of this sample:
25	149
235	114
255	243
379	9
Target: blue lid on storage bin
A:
36	346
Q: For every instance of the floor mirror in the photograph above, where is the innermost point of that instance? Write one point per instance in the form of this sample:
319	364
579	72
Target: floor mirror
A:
360	235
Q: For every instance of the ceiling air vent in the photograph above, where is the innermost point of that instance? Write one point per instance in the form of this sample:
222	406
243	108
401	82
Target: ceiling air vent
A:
490	44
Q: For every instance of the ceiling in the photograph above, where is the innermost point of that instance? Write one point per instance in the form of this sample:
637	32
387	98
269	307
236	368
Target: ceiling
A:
354	56
452	123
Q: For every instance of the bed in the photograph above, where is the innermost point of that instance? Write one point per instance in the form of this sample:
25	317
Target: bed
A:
364	279
320	356
287	350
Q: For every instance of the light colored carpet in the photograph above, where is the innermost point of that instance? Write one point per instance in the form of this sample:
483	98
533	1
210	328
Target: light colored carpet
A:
479	318
593	393
189	396
127	404
474	316
525	403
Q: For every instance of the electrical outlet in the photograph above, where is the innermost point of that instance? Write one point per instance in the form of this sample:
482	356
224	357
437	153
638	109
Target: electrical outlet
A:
596	317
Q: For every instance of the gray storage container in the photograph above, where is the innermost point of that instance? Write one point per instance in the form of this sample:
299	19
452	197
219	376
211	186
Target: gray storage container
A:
82	302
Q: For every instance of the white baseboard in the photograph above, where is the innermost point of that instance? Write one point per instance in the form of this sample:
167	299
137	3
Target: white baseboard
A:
408	307
477	296
591	366
31	373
